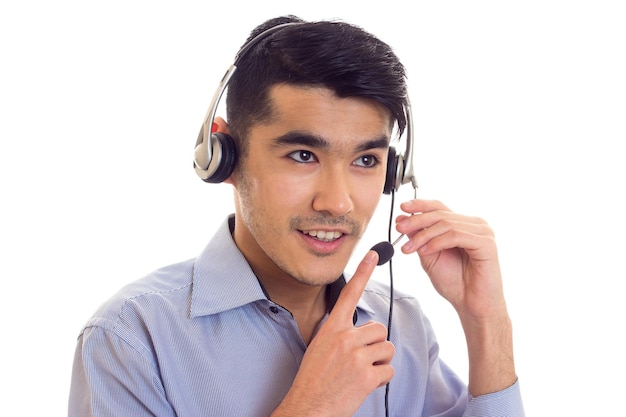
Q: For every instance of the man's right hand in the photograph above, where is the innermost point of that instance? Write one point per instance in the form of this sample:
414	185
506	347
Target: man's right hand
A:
343	363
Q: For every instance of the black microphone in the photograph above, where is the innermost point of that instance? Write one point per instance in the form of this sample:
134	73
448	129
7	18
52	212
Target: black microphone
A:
385	252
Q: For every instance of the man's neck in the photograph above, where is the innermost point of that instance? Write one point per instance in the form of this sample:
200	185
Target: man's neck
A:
307	304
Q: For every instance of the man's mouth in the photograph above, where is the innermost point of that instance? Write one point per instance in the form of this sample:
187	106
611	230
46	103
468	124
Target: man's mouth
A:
323	235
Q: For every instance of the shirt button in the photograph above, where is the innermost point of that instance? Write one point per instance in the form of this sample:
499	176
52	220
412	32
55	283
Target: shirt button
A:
274	309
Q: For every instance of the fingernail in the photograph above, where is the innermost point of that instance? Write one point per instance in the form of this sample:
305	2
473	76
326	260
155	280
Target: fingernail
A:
408	246
370	257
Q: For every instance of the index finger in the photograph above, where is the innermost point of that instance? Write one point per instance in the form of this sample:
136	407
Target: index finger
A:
422	206
343	310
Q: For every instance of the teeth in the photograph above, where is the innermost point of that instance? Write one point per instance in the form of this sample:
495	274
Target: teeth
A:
324	235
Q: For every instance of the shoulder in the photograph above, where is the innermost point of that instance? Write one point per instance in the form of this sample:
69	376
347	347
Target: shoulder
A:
377	296
411	326
376	291
156	292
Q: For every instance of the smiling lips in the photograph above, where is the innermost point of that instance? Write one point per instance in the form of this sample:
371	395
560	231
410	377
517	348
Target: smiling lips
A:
323	235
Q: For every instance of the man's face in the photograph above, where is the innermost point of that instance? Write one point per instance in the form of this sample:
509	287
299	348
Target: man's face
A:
309	183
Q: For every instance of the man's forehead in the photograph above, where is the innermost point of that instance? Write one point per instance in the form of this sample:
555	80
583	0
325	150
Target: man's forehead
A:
319	109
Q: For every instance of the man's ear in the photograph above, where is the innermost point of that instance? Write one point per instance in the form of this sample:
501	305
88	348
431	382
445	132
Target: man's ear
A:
220	125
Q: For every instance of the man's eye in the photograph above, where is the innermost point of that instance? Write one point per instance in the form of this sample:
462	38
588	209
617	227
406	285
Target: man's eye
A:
366	161
302	156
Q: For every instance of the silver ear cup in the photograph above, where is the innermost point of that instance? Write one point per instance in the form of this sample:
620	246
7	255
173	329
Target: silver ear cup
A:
201	155
223	158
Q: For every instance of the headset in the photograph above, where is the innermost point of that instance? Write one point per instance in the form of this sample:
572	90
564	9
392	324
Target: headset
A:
215	155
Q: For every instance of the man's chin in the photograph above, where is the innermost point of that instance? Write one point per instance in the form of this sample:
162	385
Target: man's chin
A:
322	272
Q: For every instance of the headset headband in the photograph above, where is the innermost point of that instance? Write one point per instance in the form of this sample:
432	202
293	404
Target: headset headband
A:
215	158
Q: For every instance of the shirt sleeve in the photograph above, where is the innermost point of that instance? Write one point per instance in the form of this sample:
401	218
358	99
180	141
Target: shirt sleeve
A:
111	376
445	391
505	403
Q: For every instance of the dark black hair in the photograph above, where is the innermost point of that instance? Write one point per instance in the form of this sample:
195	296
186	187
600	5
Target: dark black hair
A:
331	54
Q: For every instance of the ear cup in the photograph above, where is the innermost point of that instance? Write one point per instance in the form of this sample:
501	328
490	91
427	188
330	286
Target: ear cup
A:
228	159
223	159
392	169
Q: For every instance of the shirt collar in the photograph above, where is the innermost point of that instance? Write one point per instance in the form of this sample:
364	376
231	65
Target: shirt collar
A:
223	279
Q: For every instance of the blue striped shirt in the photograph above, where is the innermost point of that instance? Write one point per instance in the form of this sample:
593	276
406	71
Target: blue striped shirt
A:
201	338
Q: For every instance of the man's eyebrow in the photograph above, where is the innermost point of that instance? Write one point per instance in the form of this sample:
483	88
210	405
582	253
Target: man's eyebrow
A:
318	142
380	143
302	139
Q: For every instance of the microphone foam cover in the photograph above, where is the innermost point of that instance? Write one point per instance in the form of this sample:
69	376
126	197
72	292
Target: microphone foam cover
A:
384	250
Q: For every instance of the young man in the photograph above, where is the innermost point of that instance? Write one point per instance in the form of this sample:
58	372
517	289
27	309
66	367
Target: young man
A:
263	322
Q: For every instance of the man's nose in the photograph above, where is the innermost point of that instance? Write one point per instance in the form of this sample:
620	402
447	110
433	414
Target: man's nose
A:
334	194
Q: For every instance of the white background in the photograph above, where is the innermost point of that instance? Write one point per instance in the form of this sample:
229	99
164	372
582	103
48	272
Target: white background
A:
519	112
